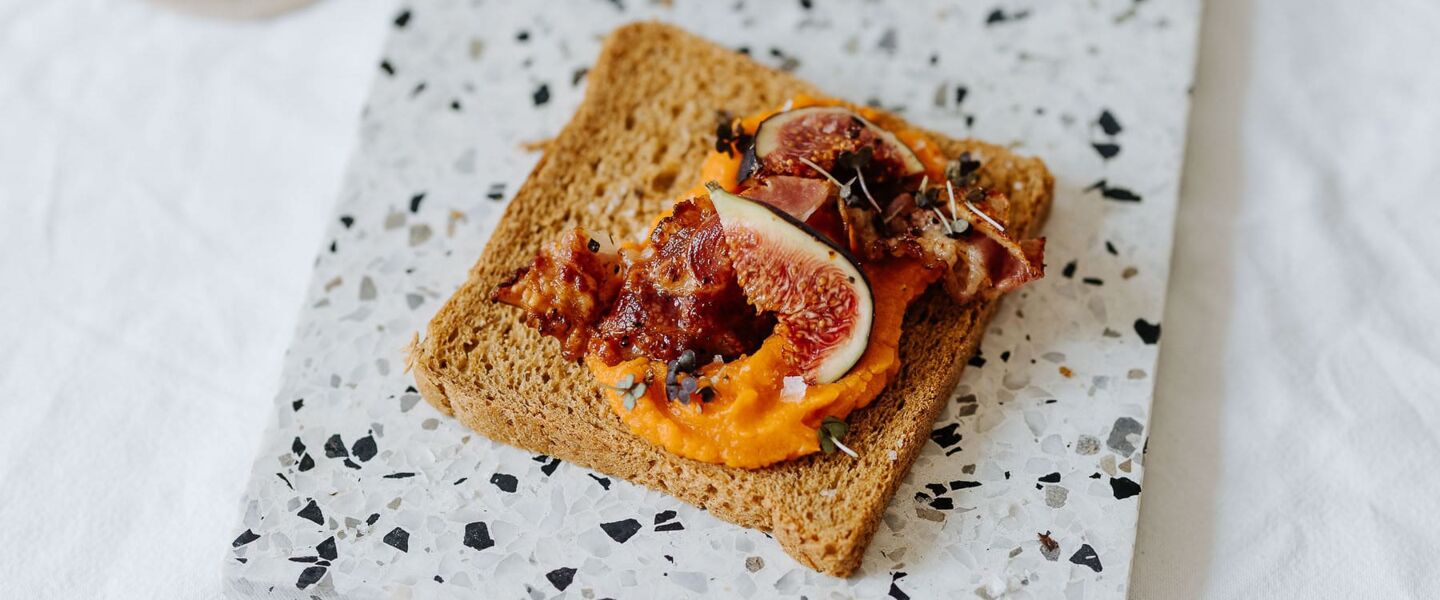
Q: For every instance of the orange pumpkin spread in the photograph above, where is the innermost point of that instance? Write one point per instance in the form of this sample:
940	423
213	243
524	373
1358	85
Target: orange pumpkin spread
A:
756	409
751	422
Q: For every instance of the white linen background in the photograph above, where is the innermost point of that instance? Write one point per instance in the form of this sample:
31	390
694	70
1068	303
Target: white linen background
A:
165	181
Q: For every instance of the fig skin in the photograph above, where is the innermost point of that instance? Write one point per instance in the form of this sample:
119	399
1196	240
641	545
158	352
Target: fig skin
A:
820	134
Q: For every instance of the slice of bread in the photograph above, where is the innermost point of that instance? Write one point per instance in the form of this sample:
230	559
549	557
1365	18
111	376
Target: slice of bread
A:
634	144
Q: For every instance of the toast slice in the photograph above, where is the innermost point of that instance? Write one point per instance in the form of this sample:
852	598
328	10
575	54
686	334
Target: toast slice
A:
635	143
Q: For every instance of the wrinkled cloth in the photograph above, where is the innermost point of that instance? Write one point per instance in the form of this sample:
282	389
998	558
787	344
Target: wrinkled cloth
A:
164	185
158	223
1293	447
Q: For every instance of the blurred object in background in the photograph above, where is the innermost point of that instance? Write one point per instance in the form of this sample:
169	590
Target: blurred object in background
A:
234	9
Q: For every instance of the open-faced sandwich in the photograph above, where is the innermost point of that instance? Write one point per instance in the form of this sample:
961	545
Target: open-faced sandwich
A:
771	343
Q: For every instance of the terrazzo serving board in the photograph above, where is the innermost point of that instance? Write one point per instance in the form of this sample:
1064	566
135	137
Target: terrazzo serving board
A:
1030	482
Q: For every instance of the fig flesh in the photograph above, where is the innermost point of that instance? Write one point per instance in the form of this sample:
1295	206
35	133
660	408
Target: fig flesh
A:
785	142
819	296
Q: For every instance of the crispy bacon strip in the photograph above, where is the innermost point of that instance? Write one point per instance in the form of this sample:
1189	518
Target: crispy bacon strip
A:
675	293
797	196
679	294
981	263
565	291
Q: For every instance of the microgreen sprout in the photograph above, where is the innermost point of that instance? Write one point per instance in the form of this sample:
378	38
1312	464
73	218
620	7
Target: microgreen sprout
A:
830	432
630	390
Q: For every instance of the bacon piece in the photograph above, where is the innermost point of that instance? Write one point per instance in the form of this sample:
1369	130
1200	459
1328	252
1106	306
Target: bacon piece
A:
980	263
679	293
797	196
565	291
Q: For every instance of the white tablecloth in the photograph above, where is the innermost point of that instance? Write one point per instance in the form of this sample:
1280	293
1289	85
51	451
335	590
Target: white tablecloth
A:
157	225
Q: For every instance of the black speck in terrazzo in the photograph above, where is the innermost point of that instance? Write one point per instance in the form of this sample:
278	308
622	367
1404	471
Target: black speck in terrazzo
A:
787	63
312	513
998	16
1108	123
372	518
888	41
942	504
506	483
1119	439
895	591
326	549
439	579
1123	487
477	536
387	67
298	404
603	481
399	539
663	516
335	447
807	4
351	464
675	526
935	488
549	468
1051	478
969	121
305	559
364	448
297	446
286	480
1121	194
244	538
578	76
947	436
400	475
460	480
960	485
1106	150
522	36
347	220
1005	356
977	361
1086	556
621	531
960	93
415	202
332	247
743	50
496	192
402	19
1093	281
309	576
306	463
1109	247
1148	332
561	578
1069	271
419	87
541	95
410	389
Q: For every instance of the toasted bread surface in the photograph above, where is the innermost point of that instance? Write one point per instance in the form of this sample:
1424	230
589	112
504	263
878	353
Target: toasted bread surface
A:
635	143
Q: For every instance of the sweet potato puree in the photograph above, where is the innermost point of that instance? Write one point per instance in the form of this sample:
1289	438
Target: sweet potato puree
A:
751	422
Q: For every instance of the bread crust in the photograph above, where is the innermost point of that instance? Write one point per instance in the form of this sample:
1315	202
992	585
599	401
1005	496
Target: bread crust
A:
636	142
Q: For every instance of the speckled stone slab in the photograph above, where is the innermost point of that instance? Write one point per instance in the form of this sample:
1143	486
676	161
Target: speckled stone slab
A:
1029	484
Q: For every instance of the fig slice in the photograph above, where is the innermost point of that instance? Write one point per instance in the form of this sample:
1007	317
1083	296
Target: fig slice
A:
819	296
819	134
